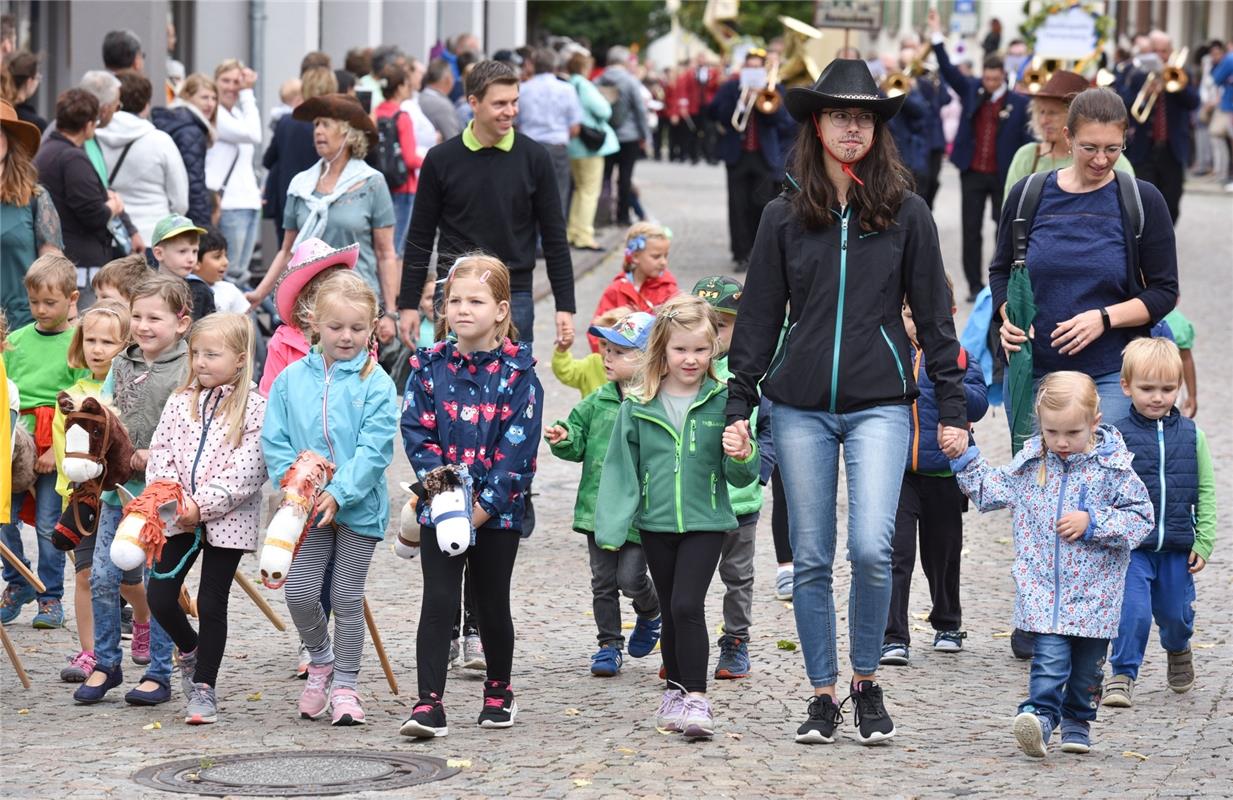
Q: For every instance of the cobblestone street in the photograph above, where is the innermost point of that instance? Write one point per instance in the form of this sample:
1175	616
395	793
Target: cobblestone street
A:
578	736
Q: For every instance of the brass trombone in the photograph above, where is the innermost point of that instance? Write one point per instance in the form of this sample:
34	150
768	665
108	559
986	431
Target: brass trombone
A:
765	100
1172	75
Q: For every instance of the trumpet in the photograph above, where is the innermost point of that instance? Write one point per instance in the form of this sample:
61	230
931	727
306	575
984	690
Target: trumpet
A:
900	83
1172	75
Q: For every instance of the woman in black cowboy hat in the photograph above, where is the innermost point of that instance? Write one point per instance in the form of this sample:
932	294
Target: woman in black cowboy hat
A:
842	251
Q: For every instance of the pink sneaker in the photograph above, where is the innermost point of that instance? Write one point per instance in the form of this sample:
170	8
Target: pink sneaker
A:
315	699
79	668
346	705
140	646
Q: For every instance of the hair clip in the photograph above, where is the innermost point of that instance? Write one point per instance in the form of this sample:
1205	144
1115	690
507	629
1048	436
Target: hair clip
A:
484	278
449	275
672	314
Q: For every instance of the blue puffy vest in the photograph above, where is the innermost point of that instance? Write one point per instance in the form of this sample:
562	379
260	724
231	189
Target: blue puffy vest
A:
1166	460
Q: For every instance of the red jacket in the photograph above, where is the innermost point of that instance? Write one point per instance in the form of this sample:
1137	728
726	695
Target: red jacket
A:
622	292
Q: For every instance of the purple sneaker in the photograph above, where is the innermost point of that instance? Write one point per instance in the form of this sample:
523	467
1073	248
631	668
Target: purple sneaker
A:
315	699
696	721
669	716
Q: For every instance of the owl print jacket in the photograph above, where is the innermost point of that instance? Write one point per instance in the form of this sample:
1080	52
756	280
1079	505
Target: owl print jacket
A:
482	410
1068	588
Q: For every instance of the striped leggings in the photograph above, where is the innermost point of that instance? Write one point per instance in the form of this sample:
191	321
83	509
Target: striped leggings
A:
352	553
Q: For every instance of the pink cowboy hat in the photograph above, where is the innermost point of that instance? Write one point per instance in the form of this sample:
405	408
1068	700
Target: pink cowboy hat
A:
307	260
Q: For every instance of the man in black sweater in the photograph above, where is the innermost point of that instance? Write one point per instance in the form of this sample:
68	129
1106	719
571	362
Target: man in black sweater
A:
490	189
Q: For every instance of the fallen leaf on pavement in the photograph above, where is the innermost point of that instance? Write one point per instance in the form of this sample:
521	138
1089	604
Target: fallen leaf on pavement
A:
1202	645
736	736
784	644
153	726
921	617
1133	754
254	697
458	763
1001	634
1002	540
580	782
24	711
572	712
629	751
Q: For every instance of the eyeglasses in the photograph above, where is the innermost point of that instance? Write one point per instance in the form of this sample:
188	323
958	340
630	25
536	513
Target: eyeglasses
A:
843	119
1090	150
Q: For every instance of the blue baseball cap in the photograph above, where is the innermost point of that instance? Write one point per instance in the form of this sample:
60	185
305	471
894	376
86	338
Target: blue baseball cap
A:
633	330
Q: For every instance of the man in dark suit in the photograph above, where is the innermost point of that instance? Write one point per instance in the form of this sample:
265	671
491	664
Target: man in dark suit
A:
993	127
754	159
1159	147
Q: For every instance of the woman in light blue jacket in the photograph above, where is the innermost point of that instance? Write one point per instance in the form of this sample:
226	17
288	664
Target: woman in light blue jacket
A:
587	165
338	403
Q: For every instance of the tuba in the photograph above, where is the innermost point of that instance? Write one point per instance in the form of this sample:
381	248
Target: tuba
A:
800	67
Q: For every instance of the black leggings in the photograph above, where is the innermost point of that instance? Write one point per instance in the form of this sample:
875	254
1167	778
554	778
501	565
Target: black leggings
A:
464	620
490	563
218	566
682	565
779	519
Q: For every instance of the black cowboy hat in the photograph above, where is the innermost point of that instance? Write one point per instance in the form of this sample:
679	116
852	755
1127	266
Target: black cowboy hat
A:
845	83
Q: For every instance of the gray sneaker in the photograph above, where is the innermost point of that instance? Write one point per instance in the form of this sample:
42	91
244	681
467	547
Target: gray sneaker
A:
187	664
455	652
202	705
473	653
784	579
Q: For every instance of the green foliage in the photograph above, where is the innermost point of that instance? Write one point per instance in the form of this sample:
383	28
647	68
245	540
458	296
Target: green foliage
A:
600	23
1033	20
604	23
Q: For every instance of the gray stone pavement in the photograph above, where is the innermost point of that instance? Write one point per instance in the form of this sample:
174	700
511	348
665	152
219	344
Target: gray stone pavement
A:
585	737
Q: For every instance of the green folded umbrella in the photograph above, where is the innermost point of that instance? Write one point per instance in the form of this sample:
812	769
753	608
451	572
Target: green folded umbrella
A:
1021	312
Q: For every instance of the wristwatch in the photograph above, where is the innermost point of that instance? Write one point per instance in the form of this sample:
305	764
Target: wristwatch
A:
1104	317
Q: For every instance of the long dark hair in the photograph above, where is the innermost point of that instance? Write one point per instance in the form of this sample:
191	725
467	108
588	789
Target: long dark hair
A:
886	179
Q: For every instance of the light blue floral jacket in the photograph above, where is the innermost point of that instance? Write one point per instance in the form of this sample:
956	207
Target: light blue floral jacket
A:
1069	588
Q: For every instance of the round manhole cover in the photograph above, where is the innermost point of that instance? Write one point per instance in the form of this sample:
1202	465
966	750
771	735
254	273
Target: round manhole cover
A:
300	773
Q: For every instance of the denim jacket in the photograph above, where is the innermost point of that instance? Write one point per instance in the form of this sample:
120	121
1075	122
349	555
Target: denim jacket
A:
1068	588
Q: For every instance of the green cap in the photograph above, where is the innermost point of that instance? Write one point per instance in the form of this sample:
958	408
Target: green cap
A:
173	225
722	292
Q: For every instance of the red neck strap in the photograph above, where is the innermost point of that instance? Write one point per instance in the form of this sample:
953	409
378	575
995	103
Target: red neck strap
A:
846	166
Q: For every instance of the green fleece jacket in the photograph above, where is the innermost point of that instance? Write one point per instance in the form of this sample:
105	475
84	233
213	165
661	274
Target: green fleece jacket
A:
658	478
745	499
589	428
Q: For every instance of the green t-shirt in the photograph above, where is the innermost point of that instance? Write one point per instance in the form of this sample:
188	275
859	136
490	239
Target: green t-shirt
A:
1183	329
38	363
352	219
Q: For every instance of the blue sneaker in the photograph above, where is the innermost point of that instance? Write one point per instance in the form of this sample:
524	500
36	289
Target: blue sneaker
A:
606	662
51	615
89	695
1032	733
13	599
733	658
160	694
644	638
1076	736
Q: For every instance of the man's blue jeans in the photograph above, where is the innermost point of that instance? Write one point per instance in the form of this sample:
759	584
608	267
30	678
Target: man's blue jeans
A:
1066	678
51	560
875	448
105	596
241	227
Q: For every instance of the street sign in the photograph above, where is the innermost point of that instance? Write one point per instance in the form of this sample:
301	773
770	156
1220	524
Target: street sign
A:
861	15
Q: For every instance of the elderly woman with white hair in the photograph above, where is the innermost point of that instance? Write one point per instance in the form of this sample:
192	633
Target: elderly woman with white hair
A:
343	201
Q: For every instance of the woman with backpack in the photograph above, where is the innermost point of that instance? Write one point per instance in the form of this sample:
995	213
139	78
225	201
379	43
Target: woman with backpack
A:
342	200
398	147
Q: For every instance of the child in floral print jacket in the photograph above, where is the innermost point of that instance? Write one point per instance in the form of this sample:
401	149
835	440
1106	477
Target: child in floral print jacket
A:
1078	510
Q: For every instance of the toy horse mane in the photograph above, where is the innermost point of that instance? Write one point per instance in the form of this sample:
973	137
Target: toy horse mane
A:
308	475
442	479
153	533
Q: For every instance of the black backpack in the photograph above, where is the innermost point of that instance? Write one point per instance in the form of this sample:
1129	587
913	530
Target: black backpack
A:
387	157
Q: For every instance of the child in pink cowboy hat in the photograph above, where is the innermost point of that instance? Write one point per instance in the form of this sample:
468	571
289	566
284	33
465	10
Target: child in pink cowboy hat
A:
294	294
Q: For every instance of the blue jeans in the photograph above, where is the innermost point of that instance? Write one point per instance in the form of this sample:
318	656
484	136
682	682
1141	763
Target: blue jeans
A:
1066	678
1157	585
403	203
105	599
1114	404
875	448
51	560
240	226
522	312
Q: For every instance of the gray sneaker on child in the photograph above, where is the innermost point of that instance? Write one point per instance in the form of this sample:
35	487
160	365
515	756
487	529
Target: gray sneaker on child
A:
202	705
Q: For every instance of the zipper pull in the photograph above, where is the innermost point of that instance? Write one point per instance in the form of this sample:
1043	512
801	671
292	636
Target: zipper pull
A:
677	467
